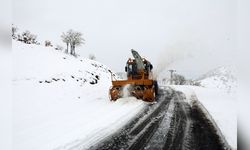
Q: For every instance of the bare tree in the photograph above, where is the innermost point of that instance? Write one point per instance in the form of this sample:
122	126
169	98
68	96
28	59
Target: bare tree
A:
28	38
75	40
72	38
178	79
66	39
14	30
48	43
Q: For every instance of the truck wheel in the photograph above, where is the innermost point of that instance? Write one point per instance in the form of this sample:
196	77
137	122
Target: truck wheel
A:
156	88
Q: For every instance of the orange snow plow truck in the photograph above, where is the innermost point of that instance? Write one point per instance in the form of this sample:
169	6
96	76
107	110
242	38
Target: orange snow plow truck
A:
139	82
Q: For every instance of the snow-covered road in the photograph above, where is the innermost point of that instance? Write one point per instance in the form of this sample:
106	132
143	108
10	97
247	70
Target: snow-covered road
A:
172	123
220	107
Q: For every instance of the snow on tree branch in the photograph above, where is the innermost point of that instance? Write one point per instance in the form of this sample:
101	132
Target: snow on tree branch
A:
72	38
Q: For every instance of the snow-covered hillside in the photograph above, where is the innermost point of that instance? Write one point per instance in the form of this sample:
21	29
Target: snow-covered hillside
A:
61	102
221	78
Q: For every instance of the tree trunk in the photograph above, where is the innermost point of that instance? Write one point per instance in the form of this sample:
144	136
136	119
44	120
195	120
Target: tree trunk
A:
74	50
71	49
67	49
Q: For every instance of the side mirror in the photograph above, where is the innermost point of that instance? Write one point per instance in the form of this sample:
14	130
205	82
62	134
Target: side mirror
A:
126	69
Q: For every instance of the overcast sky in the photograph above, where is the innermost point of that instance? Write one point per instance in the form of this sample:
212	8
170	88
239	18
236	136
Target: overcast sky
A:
191	36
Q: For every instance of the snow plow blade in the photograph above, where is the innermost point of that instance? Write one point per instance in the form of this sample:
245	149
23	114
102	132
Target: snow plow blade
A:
141	89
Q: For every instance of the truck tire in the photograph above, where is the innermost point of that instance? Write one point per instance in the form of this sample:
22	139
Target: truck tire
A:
156	88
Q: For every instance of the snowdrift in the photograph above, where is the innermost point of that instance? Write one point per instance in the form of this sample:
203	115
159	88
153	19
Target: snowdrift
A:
61	102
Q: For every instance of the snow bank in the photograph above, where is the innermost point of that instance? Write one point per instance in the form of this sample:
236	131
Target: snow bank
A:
221	106
61	102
